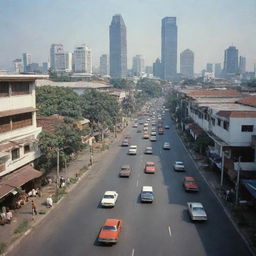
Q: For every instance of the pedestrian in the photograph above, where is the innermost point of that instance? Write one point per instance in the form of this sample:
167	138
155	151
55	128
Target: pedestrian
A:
49	201
227	194
2	218
34	211
8	216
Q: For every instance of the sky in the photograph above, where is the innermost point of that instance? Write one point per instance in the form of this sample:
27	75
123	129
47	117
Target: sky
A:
207	27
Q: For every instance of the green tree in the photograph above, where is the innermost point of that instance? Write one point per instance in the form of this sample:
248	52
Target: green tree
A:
121	83
150	88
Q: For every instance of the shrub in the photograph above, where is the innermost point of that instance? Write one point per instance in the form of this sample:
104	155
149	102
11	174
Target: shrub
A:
22	227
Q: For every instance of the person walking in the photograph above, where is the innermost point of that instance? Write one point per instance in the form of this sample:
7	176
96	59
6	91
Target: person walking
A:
34	211
8	216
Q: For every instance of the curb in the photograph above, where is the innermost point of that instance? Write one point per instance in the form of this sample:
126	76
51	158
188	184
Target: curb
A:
218	199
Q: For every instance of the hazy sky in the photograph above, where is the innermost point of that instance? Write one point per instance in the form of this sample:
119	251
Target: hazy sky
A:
207	27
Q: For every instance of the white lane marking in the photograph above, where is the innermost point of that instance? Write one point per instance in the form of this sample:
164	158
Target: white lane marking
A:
133	251
137	183
170	232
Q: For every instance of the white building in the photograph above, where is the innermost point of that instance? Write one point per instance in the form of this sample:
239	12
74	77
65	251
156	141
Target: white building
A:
82	59
55	49
137	65
18	131
18	66
68	61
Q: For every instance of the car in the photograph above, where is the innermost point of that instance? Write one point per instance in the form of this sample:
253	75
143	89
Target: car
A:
148	150
110	231
147	195
153	133
160	131
109	199
190	184
146	124
135	125
166	145
139	130
145	128
125	143
179	166
153	129
132	150
145	135
167	127
196	211
153	138
150	167
125	171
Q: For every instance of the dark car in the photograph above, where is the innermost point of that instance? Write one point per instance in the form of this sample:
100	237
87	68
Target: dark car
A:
125	171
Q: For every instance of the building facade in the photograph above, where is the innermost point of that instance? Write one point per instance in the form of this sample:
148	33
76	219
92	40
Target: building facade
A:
82	59
231	61
217	70
18	66
157	68
242	65
27	60
104	70
187	63
137	65
118	47
55	59
169	48
209	67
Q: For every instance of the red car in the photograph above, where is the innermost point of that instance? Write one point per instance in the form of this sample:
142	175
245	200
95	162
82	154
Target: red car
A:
190	184
150	167
110	231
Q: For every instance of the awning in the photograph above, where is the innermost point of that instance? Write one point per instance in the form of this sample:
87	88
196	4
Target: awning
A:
17	178
250	186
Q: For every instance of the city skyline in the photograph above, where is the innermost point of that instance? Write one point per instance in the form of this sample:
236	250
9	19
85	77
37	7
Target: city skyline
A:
71	26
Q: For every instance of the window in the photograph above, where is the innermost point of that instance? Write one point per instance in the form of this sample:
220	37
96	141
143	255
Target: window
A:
4	89
15	153
247	128
5	125
219	122
26	149
20	88
22	120
226	125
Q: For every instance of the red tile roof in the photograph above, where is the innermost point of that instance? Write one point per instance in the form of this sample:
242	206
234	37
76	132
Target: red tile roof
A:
213	93
237	114
249	101
49	123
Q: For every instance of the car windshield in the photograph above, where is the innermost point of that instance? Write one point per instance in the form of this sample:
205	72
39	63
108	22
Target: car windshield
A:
190	182
108	196
111	228
198	208
150	165
124	169
179	163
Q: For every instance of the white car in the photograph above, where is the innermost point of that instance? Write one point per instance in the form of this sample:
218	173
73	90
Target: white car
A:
153	138
132	150
153	133
196	211
109	199
147	194
166	145
179	166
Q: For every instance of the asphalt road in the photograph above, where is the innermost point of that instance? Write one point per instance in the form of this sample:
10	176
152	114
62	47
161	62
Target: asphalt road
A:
159	229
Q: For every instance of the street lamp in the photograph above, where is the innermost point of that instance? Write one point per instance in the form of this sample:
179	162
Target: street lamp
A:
238	181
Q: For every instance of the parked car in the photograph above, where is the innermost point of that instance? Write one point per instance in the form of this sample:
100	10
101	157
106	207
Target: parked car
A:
125	171
166	145
153	133
109	199
132	150
196	211
147	194
148	150
135	125
110	231
178	166
150	167
190	184
139	130
125	143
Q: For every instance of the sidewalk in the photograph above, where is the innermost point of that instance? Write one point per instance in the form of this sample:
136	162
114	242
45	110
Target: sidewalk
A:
23	220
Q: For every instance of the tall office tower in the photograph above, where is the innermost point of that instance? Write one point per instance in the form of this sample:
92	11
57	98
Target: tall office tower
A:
68	61
157	68
55	49
27	60
209	67
60	61
118	47
242	65
18	66
217	70
137	65
149	70
45	67
169	48
231	60
82	59
104	64
187	63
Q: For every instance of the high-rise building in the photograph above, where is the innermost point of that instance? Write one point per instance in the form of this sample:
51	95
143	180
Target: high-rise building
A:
18	66
118	47
157	68
137	65
217	70
209	67
149	70
27	60
68	61
82	59
187	63
169	48
104	64
55	50
60	61
45	67
242	65
231	60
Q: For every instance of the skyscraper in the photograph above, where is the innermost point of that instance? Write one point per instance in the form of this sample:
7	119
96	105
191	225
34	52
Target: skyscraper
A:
27	60
157	68
242	65
104	64
187	63
209	67
169	48
217	70
137	65
55	49
231	60
118	47
82	59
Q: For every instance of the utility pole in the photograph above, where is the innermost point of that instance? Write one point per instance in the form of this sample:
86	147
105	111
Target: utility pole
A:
58	167
222	167
238	181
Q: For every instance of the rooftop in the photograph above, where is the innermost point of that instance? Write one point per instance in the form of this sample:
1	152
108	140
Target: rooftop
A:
25	78
237	114
248	101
